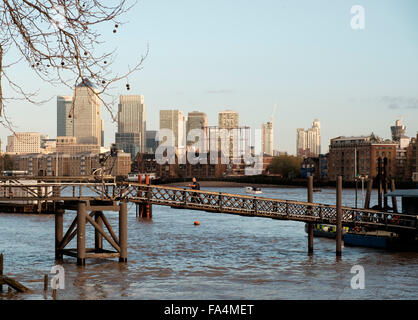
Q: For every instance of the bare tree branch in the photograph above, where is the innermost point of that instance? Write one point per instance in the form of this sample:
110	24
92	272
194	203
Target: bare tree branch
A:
61	43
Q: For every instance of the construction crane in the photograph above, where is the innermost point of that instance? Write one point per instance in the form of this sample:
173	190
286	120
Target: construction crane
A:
272	114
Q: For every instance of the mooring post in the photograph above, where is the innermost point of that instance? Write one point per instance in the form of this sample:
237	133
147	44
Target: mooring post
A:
46	282
368	193
339	233
310	224
379	183
1	272
385	182
149	205
59	231
98	238
81	234
394	203
123	231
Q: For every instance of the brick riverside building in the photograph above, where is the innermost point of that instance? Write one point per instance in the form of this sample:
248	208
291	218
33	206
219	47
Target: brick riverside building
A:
82	164
350	156
412	158
146	163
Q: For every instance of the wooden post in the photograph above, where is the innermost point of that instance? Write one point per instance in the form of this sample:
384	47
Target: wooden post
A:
339	233
385	182
1	272
98	238
394	203
310	225
46	282
379	183
81	234
123	231
148	206
59	231
368	193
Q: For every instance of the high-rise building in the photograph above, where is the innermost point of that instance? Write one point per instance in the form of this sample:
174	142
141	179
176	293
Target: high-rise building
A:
151	143
197	120
229	135
102	134
308	143
87	121
228	119
24	142
268	134
132	119
301	141
173	120
398	130
64	119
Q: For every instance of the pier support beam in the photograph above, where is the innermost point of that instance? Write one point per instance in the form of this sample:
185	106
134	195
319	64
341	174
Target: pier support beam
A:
1	271
59	231
394	203
368	193
310	224
81	234
339	229
123	231
98	238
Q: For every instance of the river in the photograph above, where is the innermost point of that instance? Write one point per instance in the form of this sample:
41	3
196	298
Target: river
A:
226	257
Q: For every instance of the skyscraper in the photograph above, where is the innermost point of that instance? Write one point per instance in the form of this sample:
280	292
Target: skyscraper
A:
102	134
308	143
131	136
268	134
196	120
64	120
174	121
301	141
87	121
228	119
132	117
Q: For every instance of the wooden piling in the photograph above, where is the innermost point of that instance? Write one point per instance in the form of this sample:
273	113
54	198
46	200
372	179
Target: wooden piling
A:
123	231
368	193
310	225
394	203
379	183
1	272
339	229
98	238
81	234
385	182
46	282
59	231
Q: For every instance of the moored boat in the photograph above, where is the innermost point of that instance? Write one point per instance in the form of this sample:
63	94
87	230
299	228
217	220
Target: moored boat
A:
253	190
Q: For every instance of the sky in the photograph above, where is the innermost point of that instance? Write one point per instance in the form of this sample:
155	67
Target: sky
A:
248	56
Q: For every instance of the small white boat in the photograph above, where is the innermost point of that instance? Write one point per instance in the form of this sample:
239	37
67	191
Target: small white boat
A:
253	190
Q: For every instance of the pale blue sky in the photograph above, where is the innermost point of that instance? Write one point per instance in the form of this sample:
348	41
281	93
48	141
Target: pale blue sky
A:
249	55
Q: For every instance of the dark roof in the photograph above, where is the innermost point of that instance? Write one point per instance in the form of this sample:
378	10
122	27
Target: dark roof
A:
86	83
408	193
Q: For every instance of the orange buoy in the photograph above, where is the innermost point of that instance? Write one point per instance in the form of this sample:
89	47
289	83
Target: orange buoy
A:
196	223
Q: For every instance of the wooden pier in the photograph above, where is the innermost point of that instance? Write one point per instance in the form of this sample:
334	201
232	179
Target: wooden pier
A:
90	199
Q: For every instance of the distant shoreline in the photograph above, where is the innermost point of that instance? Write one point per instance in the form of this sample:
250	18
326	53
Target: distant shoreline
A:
228	184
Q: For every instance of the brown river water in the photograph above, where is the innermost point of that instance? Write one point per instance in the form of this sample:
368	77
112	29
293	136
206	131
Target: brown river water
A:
226	257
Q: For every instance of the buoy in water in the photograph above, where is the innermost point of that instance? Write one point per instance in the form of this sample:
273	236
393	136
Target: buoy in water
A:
197	223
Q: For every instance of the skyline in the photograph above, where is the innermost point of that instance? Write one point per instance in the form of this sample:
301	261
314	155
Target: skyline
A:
301	56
